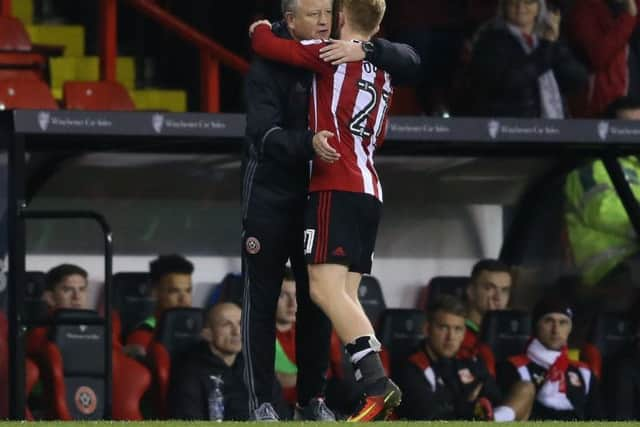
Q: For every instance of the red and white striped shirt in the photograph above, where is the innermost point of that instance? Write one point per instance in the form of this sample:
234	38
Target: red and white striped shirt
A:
350	100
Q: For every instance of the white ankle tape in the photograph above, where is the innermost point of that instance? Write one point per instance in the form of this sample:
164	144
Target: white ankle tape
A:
374	343
360	355
374	347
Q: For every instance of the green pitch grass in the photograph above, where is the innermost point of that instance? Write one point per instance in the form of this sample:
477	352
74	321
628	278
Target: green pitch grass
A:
305	424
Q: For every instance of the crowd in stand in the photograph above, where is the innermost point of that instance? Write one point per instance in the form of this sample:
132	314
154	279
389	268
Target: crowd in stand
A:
533	58
516	58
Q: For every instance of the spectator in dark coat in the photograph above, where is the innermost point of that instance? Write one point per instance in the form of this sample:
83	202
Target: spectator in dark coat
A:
520	67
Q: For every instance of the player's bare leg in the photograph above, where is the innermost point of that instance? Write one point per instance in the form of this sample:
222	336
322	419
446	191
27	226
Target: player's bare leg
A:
334	289
353	284
328	288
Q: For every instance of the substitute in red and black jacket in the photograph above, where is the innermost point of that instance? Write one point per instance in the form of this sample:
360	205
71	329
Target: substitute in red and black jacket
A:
278	148
437	385
565	389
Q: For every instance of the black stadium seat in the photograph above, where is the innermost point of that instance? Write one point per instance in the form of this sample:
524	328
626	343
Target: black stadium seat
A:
35	308
503	333
75	348
231	289
132	298
371	298
610	333
400	330
178	329
438	285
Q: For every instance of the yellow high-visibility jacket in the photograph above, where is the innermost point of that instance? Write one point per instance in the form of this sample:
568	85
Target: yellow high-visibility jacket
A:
600	232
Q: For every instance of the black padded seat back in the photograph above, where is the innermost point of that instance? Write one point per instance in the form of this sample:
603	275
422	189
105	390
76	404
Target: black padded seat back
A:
84	396
132	298
79	336
506	332
400	331
446	285
611	333
371	298
35	308
232	289
179	328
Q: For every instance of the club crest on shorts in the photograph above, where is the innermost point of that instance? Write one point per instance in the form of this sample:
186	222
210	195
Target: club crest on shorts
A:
252	245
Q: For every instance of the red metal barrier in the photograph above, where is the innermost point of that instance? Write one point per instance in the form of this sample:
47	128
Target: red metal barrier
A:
108	39
189	34
5	7
211	53
209	82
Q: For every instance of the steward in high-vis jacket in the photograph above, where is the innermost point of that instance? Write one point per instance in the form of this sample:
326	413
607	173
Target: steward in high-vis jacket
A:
600	232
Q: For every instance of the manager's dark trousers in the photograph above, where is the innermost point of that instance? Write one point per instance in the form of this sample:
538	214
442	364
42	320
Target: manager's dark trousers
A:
266	246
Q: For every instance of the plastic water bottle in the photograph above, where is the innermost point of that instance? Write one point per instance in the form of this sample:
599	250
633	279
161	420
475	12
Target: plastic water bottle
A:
216	399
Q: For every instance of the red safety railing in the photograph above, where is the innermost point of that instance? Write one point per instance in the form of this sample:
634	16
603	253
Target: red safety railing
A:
108	44
5	7
211	53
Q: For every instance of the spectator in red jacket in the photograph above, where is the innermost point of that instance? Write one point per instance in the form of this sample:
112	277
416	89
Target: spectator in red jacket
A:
605	34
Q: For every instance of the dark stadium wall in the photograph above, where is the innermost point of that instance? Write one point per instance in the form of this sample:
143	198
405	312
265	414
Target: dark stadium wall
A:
440	215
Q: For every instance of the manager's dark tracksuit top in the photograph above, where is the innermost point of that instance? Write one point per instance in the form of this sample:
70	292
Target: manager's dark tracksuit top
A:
278	142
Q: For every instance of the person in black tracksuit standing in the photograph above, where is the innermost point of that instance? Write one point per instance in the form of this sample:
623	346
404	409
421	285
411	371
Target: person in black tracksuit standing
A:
277	152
